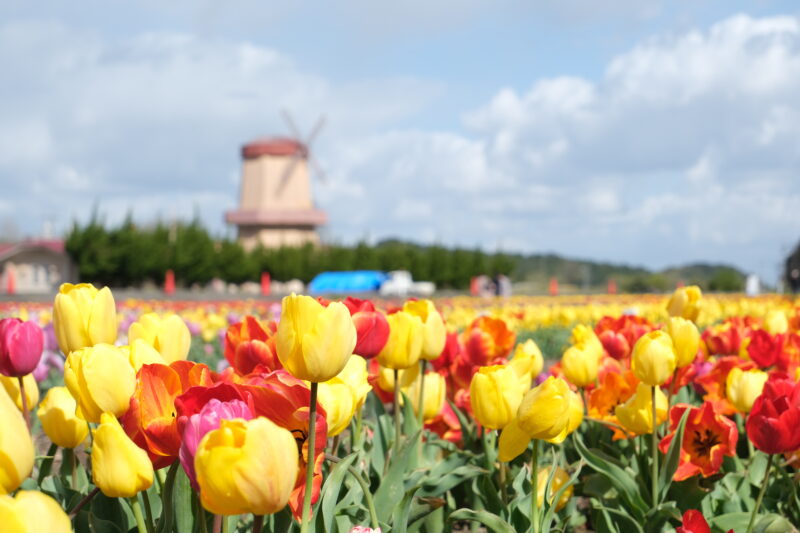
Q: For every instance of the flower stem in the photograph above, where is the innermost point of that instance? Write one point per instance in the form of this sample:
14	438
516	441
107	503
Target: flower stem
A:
654	451
137	513
47	464
760	494
397	428
148	512
421	404
373	515
258	523
24	403
503	482
535	487
312	437
86	499
356	438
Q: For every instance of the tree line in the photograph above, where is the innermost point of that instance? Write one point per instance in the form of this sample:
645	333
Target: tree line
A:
130	255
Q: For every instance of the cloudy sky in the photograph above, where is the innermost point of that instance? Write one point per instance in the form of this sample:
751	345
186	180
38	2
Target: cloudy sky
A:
650	132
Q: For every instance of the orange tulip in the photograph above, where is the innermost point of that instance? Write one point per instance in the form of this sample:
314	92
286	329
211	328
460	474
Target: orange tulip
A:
488	339
249	344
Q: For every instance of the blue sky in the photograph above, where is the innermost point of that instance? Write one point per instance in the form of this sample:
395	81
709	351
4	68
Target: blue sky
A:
645	132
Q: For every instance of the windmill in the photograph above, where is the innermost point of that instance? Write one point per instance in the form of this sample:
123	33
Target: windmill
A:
275	203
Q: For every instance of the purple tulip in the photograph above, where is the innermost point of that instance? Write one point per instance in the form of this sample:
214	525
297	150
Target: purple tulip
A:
208	419
21	345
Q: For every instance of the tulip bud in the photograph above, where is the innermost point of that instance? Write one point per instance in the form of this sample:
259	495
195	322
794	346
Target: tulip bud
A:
435	333
119	468
775	322
636	415
372	329
580	364
84	316
685	302
11	385
101	379
21	345
169	335
434	396
32	511
355	375
495	396
16	446
685	339
336	398
314	342
743	387
654	358
246	467
528	362
57	415
560	478
404	347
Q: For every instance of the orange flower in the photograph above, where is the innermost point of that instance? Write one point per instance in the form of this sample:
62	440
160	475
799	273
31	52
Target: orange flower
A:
715	381
726	339
488	339
707	438
615	389
151	420
248	344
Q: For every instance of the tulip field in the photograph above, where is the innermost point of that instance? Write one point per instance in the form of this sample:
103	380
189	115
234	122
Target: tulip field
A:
625	413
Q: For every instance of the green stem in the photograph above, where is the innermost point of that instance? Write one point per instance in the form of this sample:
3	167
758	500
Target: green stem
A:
535	487
356	440
47	464
226	524
654	451
86	499
305	518
24	400
421	404
167	508
216	527
503	482
397	428
760	494
74	476
373	515
137	513
148	512
585	405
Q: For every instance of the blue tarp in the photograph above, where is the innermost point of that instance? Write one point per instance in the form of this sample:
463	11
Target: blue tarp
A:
344	282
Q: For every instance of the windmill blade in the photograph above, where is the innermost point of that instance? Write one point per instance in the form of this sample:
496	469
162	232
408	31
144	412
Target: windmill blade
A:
291	123
287	172
315	131
323	177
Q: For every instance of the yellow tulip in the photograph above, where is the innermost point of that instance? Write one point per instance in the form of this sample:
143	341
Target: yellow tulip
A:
140	353
775	322
743	387
654	358
495	396
314	342
636	415
404	346
355	375
84	316
246	467
434	396
560	478
406	377
583	334
119	467
336	398
685	338
32	512
101	379
16	446
11	385
434	332
580	364
168	335
528	362
685	302
57	415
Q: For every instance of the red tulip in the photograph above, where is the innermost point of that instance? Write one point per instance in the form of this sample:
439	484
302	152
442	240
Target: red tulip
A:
21	345
488	339
372	328
693	522
248	344
765	349
615	344
773	421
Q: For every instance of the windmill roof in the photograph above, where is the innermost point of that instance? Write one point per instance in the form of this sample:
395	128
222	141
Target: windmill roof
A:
276	146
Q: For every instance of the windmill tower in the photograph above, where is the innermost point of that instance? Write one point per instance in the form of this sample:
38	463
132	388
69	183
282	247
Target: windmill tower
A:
275	204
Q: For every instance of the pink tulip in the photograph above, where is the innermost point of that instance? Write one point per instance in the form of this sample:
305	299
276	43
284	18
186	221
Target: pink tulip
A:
21	345
208	419
364	529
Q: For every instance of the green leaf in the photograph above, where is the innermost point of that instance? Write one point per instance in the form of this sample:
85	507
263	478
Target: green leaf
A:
467	429
547	518
673	456
164	524
490	520
436	484
182	500
402	512
391	489
330	490
772	523
734	521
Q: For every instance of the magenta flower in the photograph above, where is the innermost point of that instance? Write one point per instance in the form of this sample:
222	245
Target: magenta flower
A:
208	419
21	345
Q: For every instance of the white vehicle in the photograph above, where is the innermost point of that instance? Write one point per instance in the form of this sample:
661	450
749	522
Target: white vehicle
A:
400	285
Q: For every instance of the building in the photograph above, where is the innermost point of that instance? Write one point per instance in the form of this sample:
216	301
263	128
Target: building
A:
275	203
34	267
